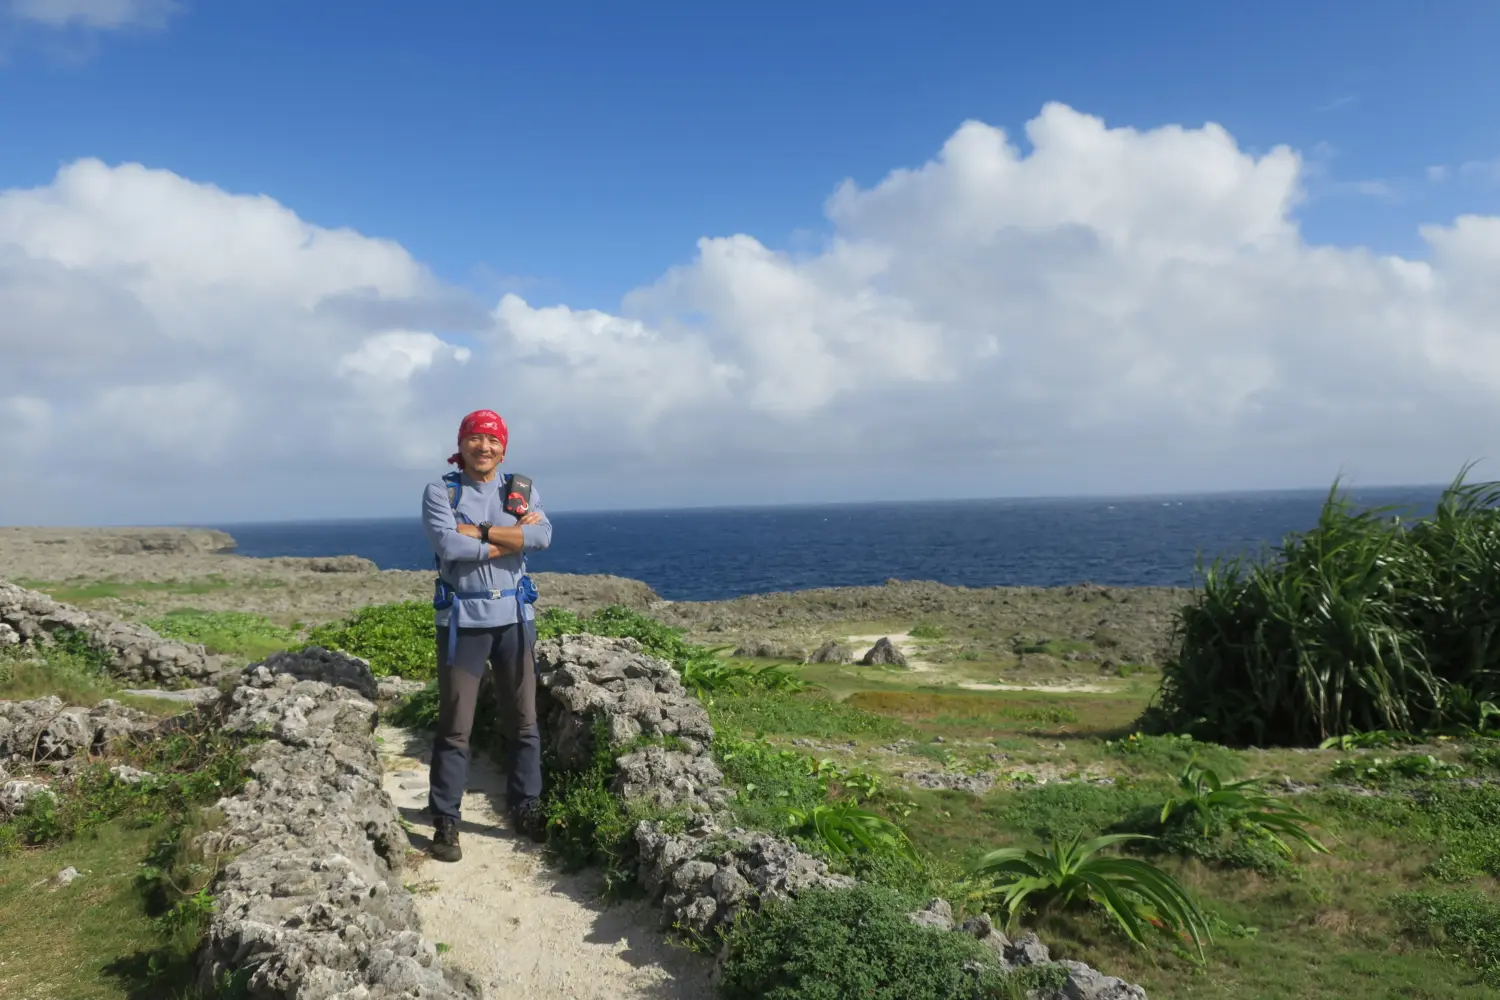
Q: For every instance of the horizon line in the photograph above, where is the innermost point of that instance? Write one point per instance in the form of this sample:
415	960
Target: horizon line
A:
817	504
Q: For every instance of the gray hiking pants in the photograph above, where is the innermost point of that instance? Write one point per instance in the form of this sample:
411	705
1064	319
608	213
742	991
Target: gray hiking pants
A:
507	650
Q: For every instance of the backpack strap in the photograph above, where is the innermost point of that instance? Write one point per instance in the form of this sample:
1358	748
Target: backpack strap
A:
517	502
455	483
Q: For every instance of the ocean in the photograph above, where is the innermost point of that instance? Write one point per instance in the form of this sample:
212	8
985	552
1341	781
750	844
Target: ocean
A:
714	554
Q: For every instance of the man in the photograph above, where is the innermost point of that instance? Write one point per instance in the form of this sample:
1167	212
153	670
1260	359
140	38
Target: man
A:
483	618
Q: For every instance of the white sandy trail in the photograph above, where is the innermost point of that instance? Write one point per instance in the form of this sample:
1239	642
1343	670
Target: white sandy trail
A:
519	925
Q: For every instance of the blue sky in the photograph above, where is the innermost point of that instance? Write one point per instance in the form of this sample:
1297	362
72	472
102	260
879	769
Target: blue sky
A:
237	236
578	150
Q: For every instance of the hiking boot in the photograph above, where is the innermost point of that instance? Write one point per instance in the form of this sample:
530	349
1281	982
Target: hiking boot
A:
527	819
445	840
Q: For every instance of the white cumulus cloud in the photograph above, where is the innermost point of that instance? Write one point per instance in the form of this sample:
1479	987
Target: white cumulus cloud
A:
1107	309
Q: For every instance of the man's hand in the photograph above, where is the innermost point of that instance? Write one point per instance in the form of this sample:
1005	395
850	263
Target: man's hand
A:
530	517
472	530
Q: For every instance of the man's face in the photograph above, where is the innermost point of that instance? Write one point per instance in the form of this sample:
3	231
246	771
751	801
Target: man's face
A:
481	453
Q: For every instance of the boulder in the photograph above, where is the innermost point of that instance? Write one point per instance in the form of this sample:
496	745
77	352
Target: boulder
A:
884	653
831	652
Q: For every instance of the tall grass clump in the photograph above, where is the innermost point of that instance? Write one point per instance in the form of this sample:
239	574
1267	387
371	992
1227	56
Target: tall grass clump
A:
1367	622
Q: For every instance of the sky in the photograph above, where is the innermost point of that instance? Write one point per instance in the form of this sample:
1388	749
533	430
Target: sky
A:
257	257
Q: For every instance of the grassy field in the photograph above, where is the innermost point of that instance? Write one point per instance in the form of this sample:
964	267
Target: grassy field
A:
1324	926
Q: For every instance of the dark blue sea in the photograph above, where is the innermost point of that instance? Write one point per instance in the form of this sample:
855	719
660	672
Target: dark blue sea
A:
712	554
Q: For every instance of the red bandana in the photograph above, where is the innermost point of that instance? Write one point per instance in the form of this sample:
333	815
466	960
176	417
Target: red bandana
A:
480	422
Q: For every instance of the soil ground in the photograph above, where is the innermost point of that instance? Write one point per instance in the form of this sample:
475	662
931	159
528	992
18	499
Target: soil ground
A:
510	918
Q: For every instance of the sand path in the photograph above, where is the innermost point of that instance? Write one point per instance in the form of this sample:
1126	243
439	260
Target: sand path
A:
522	927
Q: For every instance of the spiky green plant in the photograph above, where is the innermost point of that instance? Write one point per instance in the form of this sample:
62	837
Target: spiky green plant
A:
847	829
1242	805
1131	891
1367	622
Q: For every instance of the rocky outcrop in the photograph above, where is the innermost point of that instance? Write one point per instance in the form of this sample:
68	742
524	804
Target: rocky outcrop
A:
884	653
311	907
976	784
591	684
760	648
132	652
831	651
703	877
48	730
1080	981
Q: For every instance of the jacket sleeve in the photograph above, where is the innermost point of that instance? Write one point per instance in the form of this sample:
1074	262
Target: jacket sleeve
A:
539	535
442	529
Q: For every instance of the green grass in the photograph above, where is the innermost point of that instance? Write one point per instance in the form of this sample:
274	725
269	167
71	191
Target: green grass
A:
85	592
240	634
809	714
131	924
94	939
77	677
397	639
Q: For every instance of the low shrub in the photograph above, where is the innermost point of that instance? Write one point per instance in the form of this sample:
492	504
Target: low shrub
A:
397	639
1467	919
1206	802
187	769
856	944
1377	771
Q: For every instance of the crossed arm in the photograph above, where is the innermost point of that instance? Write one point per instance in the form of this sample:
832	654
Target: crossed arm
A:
503	541
460	542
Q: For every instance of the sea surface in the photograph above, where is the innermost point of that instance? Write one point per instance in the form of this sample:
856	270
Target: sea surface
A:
713	554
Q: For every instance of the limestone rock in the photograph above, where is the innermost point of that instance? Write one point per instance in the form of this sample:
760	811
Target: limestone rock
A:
14	794
831	652
703	878
46	729
937	914
884	653
312	904
131	651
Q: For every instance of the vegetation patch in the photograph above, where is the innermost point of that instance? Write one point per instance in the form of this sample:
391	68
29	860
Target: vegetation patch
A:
73	670
810	714
1370	621
86	592
964	708
397	639
857	944
1465	919
130	923
240	634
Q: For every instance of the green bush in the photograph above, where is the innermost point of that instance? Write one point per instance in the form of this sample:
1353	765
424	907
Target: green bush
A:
926	631
232	633
1466	918
397	639
1361	624
1173	752
853	944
